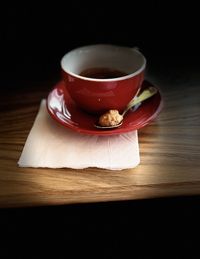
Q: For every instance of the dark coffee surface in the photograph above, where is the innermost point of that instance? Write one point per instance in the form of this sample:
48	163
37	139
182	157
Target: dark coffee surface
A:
102	73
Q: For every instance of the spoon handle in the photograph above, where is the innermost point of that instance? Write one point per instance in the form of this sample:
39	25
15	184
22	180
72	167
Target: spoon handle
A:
147	93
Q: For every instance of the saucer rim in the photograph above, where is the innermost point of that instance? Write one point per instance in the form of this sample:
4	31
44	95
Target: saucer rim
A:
96	132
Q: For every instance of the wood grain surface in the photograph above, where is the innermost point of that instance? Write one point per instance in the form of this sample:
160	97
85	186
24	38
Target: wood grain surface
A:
169	149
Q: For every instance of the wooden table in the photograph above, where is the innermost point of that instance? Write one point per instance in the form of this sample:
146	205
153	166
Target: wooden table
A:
169	149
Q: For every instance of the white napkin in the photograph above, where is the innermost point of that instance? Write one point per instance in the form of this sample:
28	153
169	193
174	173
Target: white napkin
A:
51	145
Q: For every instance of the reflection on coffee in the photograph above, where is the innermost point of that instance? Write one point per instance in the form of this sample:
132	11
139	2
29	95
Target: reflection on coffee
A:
102	73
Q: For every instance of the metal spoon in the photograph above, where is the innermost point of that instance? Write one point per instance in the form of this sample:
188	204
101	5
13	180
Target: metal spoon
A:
147	93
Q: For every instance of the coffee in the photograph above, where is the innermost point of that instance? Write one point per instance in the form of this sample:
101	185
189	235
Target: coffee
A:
102	73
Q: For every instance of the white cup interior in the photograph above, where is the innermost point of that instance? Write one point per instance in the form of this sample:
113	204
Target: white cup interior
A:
125	59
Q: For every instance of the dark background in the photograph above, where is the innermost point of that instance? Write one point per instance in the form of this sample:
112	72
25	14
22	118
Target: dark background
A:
159	228
34	37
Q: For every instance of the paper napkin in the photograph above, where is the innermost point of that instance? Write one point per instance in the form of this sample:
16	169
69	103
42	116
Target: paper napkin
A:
51	145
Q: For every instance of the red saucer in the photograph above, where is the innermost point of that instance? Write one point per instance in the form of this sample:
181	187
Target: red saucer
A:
63	109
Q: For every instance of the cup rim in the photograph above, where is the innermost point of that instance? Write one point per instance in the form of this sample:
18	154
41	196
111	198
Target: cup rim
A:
138	71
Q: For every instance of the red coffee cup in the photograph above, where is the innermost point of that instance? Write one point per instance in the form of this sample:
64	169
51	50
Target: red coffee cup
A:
97	95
